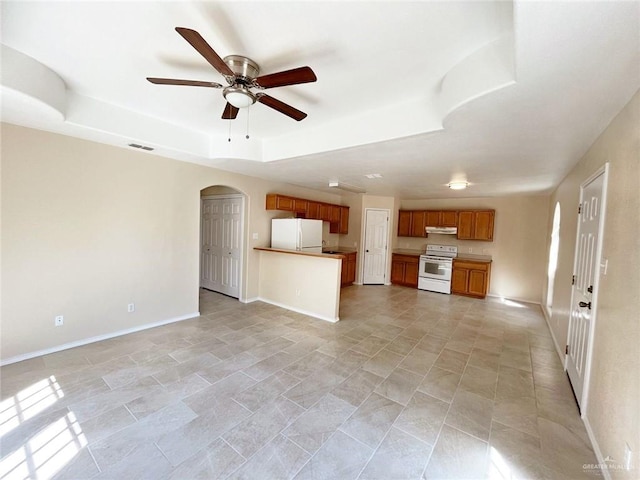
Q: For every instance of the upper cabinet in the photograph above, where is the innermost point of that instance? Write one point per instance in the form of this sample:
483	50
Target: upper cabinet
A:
476	225
404	223
336	215
472	224
441	218
411	223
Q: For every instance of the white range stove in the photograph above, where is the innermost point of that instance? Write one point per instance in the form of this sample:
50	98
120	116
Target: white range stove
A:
435	268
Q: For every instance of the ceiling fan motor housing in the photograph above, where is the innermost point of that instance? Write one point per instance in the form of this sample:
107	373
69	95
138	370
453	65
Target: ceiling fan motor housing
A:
245	69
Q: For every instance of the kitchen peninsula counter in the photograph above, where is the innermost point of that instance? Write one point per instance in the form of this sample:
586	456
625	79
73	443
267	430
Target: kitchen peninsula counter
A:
305	282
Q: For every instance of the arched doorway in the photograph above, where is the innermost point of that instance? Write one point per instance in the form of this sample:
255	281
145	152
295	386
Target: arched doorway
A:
222	214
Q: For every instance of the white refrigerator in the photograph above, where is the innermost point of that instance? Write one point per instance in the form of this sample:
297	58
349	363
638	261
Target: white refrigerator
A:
297	234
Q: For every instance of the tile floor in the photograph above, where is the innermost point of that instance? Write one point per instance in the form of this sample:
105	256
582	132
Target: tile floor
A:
408	385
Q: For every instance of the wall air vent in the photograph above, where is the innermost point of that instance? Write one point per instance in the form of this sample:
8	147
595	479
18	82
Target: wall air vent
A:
141	147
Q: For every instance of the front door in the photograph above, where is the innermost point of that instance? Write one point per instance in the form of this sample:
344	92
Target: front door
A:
375	247
585	287
221	245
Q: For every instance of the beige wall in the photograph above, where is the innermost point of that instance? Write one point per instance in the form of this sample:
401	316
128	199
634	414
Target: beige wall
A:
303	283
613	409
89	228
518	249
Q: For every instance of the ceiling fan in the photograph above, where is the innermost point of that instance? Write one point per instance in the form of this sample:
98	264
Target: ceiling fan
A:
241	74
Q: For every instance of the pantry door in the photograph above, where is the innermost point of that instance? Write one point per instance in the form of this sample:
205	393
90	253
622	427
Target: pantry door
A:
221	244
585	282
375	246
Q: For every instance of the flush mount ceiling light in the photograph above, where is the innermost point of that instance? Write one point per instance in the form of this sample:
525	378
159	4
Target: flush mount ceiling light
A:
373	175
458	185
239	96
346	187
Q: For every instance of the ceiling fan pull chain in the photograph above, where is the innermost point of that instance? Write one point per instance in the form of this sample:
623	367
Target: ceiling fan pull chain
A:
247	135
229	139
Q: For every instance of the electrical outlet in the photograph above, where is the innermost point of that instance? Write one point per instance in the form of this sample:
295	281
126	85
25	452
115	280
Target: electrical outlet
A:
131	308
255	236
297	292
59	321
628	457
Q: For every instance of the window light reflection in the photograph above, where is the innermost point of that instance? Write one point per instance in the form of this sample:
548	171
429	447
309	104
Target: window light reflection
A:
28	403
46	453
511	303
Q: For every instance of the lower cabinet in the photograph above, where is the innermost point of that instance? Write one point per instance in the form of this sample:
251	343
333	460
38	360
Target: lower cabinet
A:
348	269
470	278
404	269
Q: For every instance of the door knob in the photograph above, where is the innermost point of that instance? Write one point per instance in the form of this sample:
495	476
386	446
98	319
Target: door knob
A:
367	251
584	304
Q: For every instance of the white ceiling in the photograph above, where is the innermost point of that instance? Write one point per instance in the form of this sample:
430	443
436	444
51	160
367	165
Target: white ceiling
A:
506	95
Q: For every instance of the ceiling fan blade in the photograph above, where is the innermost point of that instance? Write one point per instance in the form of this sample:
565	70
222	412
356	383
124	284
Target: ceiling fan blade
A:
204	49
230	112
288	77
281	107
173	81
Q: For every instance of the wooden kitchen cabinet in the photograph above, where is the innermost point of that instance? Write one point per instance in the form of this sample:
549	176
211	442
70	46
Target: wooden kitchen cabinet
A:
476	225
348	274
418	220
404	223
470	278
411	223
279	202
404	269
300	205
313	210
448	218
432	218
342	226
336	215
325	212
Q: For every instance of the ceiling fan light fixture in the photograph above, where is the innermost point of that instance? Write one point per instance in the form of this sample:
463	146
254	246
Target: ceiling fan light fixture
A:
239	97
458	185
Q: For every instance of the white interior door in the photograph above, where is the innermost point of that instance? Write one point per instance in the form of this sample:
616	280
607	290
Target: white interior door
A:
209	234
231	246
221	247
376	231
584	292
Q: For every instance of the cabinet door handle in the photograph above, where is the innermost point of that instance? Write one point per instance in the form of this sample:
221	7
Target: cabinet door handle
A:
584	304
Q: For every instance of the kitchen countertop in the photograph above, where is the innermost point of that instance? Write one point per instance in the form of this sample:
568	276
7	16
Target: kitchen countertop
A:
407	251
474	257
338	250
297	252
461	256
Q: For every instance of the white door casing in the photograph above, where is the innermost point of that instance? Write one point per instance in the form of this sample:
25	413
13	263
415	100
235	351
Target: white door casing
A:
375	246
222	244
584	292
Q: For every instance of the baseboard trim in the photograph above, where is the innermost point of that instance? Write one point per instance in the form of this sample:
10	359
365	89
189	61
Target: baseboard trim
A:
514	299
98	338
562	356
596	449
299	310
250	300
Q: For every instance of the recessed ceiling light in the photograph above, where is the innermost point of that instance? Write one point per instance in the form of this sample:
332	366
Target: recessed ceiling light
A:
458	185
373	175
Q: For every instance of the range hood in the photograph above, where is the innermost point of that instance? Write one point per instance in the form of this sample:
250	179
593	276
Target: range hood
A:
442	230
